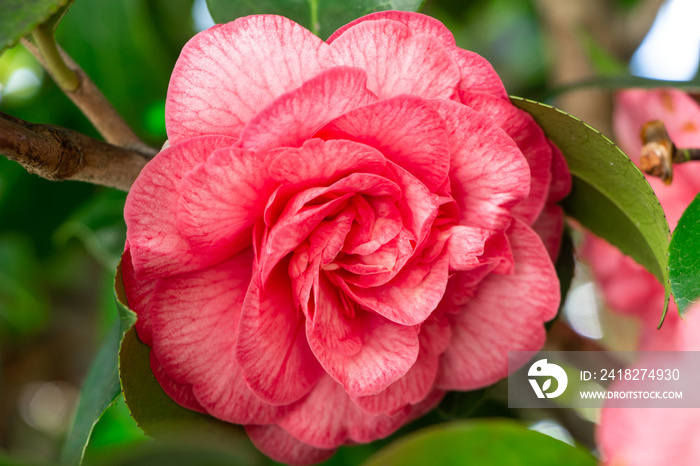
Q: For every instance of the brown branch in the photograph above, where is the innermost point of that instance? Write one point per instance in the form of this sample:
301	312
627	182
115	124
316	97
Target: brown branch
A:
57	153
88	98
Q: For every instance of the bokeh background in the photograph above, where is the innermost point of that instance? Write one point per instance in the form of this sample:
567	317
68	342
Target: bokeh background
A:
60	241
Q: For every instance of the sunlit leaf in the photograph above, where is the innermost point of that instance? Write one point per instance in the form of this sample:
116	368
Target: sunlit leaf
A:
684	257
322	17
480	442
610	196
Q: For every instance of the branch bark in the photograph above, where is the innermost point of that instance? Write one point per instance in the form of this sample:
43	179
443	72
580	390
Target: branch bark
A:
57	153
88	98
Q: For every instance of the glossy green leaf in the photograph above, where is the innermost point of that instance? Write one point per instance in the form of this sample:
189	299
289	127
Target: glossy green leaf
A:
100	388
19	17
684	258
480	442
610	196
322	17
173	454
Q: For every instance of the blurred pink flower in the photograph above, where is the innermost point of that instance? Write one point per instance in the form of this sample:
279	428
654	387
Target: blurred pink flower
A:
626	286
340	231
650	436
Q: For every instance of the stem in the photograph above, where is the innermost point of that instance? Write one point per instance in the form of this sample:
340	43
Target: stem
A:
659	153
66	78
57	153
86	96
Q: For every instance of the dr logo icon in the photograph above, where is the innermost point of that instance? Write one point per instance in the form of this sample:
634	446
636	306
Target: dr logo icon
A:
541	369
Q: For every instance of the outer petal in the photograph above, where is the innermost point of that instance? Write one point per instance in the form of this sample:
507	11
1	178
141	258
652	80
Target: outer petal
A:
194	336
280	446
531	141
220	201
272	349
418	382
506	314
396	61
294	117
561	176
550	227
328	418
157	248
405	130
489	175
138	295
387	350
228	73
416	22
477	75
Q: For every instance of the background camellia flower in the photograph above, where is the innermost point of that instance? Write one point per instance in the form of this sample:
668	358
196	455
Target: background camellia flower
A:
626	286
339	231
650	436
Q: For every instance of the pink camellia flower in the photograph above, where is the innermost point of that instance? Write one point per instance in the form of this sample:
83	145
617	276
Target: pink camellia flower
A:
650	436
340	231
626	286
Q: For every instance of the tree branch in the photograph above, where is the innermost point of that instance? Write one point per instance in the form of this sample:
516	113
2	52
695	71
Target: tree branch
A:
88	98
57	153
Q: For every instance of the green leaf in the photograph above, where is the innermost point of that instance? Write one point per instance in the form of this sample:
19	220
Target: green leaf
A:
20	17
100	388
480	442
322	17
156	413
684	257
610	196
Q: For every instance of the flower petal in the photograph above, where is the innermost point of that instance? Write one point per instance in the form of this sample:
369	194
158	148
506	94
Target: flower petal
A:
194	336
550	227
410	297
328	418
388	350
507	313
416	22
138	295
228	73
276	443
220	201
531	141
405	130
418	382
489	175
477	75
157	248
396	61
294	117
272	349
